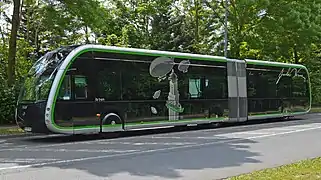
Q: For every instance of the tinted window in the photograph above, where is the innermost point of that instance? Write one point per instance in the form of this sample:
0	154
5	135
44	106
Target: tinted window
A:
203	82
276	89
292	83
137	83
65	89
300	84
125	80
81	86
146	89
79	81
264	89
45	83
263	83
203	89
130	77
108	82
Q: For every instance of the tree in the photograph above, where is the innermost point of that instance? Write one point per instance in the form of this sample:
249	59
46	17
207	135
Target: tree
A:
13	42
289	28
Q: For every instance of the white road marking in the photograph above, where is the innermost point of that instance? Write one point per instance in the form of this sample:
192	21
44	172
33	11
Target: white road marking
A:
28	136
253	133
242	134
267	132
24	160
148	143
5	145
75	150
213	137
154	150
7	165
20	146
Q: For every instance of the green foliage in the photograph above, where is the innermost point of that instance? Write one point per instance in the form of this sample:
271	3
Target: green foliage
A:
7	102
313	63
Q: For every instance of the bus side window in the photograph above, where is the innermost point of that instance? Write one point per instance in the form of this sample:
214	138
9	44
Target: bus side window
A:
81	91
65	89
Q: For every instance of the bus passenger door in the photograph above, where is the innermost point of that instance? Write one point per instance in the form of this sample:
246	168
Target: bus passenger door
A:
237	92
75	108
83	108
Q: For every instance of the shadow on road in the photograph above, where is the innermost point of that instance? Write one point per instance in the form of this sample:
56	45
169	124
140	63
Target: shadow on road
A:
171	163
174	163
150	160
165	162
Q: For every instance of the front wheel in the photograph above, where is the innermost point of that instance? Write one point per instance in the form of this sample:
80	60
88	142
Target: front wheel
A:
111	119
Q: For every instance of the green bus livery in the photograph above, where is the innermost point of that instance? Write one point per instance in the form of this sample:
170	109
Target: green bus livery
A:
94	88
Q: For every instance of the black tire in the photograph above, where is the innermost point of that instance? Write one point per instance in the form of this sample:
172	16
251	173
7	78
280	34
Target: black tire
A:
111	118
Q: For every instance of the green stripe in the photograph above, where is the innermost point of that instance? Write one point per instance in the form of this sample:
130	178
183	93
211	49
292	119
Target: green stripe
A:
177	121
187	56
269	63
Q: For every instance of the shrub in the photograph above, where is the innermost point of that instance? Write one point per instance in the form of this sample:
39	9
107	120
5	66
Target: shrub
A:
8	97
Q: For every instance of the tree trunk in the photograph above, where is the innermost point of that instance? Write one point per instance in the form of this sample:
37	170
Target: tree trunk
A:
3	39
296	57
13	42
196	21
87	34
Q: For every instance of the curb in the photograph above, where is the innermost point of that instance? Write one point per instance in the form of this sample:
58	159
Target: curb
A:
6	136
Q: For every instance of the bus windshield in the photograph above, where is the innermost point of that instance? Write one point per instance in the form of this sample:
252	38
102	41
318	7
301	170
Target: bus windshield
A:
38	81
36	88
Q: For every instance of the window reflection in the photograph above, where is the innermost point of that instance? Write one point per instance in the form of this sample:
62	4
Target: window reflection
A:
44	87
277	90
36	88
65	89
81	87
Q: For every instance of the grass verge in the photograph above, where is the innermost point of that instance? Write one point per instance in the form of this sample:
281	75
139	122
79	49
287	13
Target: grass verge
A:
315	110
309	169
11	131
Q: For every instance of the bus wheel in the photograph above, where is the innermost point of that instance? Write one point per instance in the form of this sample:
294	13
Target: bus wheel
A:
112	119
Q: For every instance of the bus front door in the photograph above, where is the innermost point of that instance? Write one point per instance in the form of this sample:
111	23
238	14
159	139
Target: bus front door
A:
73	108
83	108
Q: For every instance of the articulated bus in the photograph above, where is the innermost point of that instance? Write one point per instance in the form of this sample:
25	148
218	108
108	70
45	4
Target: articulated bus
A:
85	89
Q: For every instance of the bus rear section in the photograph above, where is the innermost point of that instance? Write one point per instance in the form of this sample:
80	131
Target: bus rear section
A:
277	90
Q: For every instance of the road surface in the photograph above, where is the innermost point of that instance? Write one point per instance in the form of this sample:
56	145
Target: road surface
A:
205	154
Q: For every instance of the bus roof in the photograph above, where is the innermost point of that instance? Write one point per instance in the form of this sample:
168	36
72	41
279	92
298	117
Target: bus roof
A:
148	52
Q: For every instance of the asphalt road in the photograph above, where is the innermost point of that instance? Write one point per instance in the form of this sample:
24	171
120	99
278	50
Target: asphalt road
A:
205	154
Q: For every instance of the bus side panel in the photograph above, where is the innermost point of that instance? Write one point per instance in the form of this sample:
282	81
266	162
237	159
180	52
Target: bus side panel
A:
264	95
188	91
300	91
277	91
